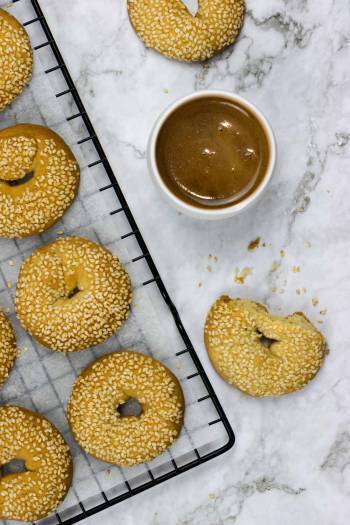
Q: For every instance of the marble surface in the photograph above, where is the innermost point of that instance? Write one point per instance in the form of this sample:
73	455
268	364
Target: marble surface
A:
291	461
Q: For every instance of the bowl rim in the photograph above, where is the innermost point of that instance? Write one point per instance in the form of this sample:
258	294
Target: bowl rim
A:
193	210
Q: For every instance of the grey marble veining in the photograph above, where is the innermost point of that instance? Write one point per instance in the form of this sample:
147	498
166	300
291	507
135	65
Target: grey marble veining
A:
291	462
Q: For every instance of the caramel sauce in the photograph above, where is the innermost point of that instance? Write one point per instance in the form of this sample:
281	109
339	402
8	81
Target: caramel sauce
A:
212	152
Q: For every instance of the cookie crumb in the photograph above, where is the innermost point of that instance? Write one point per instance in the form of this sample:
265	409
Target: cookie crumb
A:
60	232
241	275
200	284
11	262
254	244
209	268
282	253
314	301
298	291
211	495
166	91
296	269
21	351
323	312
9	284
274	267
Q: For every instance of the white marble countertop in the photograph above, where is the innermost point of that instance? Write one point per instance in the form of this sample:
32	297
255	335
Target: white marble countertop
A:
291	461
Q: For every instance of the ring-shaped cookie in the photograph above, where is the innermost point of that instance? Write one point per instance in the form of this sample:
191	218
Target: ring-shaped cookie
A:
259	353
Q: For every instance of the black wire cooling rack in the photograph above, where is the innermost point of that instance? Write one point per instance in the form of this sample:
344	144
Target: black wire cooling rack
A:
197	456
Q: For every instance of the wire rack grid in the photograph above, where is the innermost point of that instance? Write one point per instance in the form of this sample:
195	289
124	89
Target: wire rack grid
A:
42	380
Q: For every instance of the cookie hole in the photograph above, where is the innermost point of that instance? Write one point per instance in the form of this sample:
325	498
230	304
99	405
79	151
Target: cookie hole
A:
15	466
73	292
131	407
266	341
192	6
18	182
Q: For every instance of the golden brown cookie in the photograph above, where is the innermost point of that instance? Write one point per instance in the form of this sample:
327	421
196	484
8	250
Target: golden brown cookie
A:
107	385
168	26
8	348
259	353
72	294
35	493
16	58
39	179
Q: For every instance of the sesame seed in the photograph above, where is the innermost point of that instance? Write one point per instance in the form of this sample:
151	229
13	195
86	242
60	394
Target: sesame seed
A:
274	267
241	275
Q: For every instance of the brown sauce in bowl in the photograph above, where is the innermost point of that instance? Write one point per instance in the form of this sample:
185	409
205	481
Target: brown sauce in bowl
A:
212	152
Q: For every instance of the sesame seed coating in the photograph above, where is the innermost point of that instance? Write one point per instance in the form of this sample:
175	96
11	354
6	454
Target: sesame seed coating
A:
16	59
108	383
72	294
35	493
168	27
39	179
7	347
234	335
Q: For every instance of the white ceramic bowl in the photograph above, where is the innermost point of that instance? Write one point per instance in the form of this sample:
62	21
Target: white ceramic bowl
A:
192	210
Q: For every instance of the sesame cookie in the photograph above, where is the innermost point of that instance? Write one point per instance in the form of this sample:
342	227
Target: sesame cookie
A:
105	386
16	58
7	347
39	178
35	493
72	294
168	26
259	353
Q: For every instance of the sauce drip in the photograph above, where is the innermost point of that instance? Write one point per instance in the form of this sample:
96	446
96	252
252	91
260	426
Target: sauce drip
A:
212	152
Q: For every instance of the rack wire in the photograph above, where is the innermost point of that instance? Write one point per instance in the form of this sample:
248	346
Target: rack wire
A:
41	380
